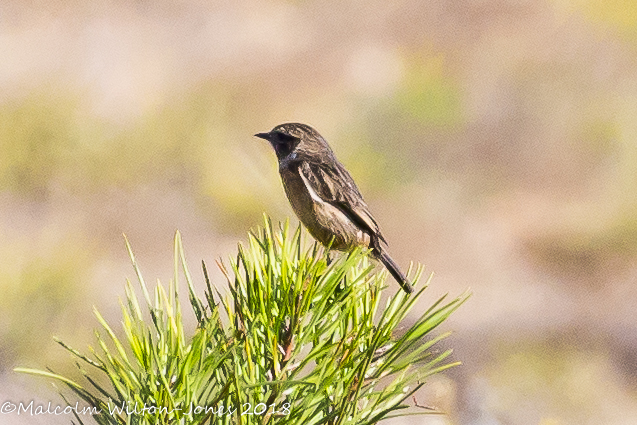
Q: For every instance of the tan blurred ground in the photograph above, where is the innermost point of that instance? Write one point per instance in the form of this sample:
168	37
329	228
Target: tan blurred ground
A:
495	141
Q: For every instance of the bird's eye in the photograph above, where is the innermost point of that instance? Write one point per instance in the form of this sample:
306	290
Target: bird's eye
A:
287	138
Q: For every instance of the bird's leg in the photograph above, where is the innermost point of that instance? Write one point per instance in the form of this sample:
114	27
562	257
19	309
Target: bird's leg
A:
329	258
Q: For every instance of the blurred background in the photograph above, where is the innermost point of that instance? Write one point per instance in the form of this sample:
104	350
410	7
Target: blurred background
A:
494	140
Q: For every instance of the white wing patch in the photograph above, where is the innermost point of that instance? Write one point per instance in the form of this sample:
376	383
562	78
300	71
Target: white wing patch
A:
310	189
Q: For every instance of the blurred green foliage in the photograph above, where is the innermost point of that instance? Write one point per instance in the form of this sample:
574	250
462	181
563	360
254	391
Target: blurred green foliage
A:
38	290
38	142
552	380
619	16
50	139
429	94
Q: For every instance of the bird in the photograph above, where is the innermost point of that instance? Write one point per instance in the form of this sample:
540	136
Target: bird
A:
324	195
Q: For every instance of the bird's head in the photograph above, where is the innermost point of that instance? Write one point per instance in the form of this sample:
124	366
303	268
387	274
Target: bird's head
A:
291	137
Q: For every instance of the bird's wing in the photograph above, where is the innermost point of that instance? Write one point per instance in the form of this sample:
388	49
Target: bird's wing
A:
333	184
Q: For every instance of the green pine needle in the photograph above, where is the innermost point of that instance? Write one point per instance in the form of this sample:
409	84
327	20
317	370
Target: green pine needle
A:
305	342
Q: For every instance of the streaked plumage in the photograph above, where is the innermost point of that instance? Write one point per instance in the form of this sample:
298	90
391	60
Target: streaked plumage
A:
324	196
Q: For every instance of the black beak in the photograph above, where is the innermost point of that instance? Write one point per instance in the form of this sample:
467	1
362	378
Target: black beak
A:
266	136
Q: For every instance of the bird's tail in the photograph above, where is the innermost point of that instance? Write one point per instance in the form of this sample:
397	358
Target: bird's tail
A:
393	269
